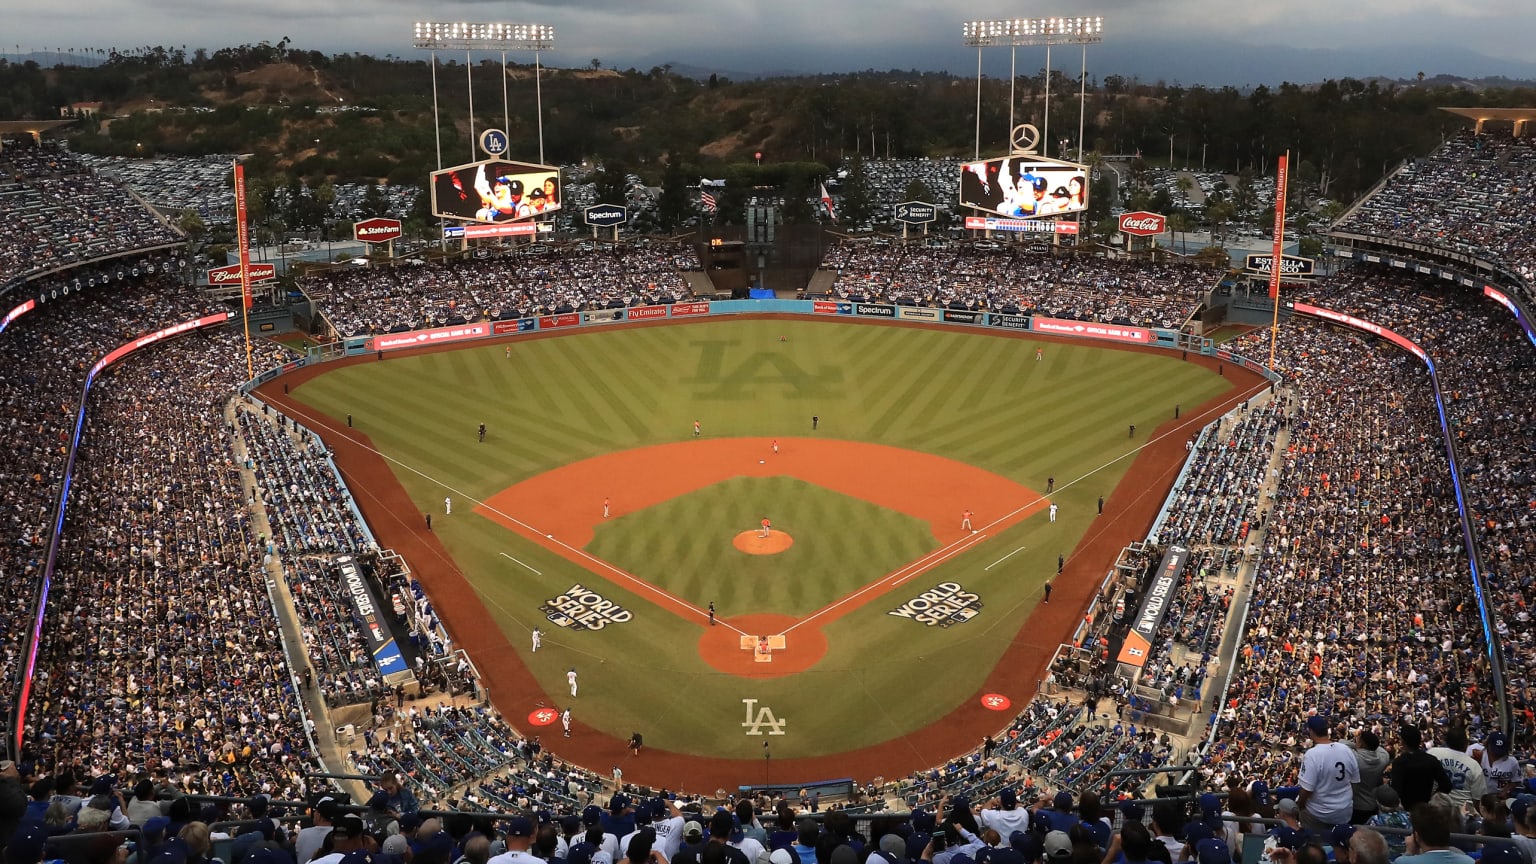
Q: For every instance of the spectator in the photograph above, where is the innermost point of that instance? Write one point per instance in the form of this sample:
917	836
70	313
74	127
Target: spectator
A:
1416	775
1430	842
1371	761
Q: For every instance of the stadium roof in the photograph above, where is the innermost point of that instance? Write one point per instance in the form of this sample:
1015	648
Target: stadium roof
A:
1518	116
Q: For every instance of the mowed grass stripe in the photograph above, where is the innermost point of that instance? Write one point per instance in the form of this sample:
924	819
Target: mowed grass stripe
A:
916	381
974	356
615	404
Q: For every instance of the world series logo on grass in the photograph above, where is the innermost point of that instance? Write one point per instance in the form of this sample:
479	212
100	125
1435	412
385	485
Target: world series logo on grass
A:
581	608
943	605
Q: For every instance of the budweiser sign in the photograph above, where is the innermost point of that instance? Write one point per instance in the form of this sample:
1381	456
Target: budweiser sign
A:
1143	224
230	275
376	230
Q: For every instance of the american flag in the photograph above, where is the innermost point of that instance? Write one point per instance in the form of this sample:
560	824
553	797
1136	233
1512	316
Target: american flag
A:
708	200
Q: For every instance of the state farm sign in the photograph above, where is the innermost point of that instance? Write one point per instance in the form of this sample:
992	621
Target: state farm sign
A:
1143	224
230	275
376	230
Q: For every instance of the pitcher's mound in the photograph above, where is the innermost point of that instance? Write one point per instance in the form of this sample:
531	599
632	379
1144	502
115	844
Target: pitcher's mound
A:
754	543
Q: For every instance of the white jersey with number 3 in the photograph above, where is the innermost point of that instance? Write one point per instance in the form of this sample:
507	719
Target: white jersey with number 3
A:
1329	771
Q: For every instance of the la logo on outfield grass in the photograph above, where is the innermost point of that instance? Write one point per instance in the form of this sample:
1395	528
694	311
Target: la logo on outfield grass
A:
754	726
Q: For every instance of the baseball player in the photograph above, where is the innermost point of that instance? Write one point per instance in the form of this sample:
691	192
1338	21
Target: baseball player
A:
1053	512
767	528
538	639
565	721
447	506
697	429
775	446
571	677
605	508
965	522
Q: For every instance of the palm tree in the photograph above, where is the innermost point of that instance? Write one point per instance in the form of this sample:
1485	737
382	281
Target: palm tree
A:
1180	223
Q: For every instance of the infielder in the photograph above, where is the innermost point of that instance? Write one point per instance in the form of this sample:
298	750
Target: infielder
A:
538	639
571	677
965	521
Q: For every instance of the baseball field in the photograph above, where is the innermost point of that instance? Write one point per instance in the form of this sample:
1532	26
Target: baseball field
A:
864	630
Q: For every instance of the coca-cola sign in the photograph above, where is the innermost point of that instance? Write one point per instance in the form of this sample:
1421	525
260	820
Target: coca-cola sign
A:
376	230
1143	224
230	274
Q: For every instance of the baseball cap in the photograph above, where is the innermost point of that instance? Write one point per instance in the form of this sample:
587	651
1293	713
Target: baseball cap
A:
721	824
1063	800
350	825
893	847
592	815
519	826
781	856
1008	799
1287	837
618	802
1260	791
1194	832
1288	806
1501	854
1340	835
26	846
1209	803
693	830
536	193
1498	743
358	856
395	844
1213	851
1317	724
1058	846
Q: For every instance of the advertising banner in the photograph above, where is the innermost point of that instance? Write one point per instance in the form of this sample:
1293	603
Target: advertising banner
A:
874	310
602	316
1290	265
569	319
700	307
960	316
475	232
1143	223
434	336
1154	606
495	191
127	348
605	215
1010	322
1362	324
824	307
375	627
376	230
646	313
521	325
1093	329
918	313
916	212
1028	226
259	271
1024	187
16	313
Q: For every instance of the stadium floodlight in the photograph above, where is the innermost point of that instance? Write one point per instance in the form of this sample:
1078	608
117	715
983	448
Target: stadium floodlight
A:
469	36
1014	33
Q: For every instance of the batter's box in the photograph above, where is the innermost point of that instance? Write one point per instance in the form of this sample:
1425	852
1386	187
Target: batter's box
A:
762	647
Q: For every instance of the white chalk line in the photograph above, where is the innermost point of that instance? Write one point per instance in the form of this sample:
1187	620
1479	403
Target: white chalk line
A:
1004	558
524	563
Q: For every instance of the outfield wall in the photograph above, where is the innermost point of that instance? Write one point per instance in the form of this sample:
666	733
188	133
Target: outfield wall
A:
1121	334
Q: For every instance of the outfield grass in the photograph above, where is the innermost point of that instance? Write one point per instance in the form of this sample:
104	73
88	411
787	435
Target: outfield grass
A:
961	393
840	543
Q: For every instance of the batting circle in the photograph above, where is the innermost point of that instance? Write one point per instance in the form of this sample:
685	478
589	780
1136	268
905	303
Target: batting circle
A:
543	717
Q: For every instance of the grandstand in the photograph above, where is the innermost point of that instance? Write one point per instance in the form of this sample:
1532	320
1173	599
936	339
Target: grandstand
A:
177	540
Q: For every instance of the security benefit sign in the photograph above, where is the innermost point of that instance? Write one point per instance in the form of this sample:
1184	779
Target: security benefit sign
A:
581	608
943	605
1154	607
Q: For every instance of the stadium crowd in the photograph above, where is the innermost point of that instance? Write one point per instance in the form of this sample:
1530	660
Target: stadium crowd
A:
1475	194
362	301
1015	281
55	212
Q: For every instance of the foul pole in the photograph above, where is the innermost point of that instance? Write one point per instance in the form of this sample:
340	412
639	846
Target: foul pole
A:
1277	254
242	232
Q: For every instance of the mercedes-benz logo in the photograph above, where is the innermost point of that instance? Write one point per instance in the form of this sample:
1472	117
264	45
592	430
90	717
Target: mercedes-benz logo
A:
1025	137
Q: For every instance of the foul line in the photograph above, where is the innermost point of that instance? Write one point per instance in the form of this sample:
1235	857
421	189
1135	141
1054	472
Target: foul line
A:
525	564
549	539
1004	558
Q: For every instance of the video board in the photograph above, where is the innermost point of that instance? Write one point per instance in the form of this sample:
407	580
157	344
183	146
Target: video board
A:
496	191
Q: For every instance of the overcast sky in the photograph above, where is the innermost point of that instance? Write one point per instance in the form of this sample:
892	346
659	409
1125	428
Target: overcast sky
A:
1150	38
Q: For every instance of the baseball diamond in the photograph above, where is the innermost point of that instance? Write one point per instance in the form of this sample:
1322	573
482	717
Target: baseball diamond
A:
969	421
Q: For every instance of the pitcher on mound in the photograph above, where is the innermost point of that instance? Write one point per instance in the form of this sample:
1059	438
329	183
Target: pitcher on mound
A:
767	528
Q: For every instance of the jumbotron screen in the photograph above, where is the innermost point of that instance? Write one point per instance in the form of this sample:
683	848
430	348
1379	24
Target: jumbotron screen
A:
495	191
1024	187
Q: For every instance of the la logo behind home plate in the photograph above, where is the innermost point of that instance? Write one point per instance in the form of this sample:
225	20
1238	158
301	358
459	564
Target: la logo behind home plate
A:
754	725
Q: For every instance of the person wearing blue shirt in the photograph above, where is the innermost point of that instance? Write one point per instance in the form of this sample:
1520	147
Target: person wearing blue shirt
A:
1430	842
